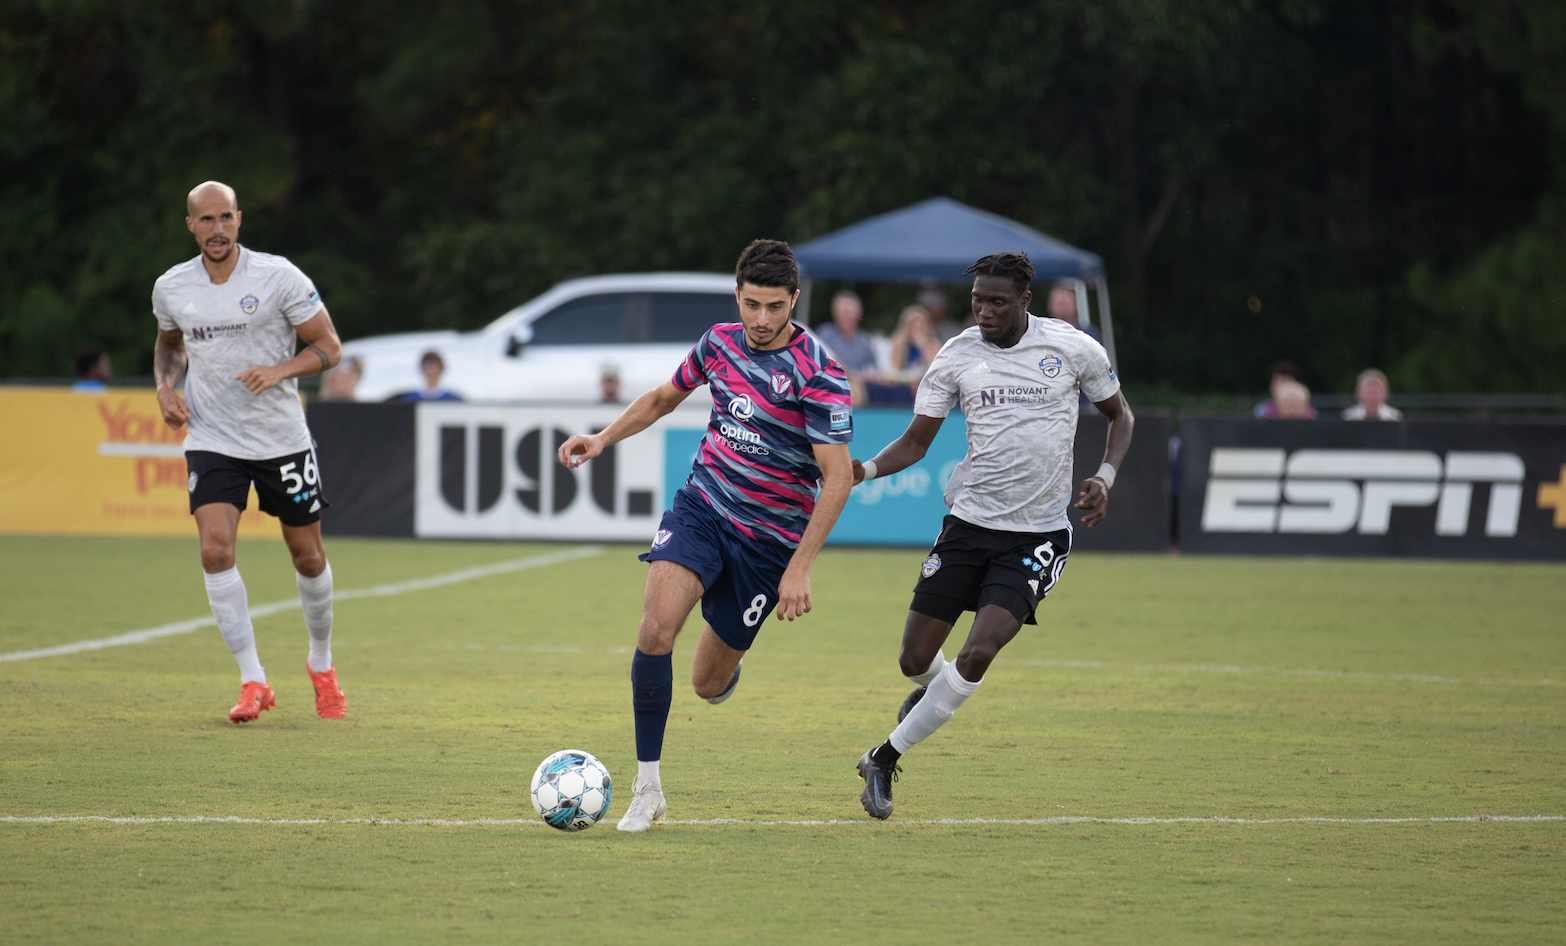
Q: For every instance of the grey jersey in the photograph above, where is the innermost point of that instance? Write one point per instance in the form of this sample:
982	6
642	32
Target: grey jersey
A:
1021	409
245	322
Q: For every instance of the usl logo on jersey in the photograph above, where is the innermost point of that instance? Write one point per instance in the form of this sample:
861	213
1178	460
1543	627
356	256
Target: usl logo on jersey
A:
1050	365
249	304
741	408
780	384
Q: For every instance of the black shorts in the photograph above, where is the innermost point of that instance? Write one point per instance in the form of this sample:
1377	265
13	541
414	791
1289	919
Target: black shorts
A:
288	487
971	566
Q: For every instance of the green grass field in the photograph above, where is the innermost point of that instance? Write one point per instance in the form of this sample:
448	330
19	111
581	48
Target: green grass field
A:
1155	688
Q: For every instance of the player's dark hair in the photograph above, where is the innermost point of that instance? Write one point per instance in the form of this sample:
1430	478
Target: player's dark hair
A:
88	358
767	263
1013	266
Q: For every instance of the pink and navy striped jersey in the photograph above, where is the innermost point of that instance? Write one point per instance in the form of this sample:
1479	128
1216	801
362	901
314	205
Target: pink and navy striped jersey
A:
755	465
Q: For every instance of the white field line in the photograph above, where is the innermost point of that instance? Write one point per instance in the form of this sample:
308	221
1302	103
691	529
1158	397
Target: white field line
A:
746	822
262	610
1342	674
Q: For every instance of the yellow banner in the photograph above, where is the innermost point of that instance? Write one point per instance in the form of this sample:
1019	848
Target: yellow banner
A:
97	464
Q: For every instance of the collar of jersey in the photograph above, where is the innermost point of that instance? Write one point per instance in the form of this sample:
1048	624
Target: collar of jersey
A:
799	336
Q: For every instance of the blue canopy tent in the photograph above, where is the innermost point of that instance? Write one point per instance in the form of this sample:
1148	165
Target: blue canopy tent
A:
935	240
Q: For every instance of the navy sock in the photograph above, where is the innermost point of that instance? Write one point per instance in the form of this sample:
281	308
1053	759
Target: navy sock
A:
652	691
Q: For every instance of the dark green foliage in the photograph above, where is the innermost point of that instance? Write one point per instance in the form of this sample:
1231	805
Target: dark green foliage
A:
1260	177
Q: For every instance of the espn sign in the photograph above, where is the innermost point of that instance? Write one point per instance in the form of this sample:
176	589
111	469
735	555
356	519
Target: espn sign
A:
1417	488
1327	492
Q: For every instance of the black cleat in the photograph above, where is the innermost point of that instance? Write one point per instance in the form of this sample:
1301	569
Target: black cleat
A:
910	703
877	796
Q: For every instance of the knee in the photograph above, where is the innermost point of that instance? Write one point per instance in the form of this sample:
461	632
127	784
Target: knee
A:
706	687
912	664
216	555
310	562
653	638
975	659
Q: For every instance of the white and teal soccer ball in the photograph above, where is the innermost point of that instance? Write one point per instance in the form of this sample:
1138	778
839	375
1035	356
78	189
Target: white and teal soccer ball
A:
571	790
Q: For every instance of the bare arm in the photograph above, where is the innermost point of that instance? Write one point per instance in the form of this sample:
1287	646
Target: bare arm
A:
322	351
169	361
1095	492
837	478
637	417
906	450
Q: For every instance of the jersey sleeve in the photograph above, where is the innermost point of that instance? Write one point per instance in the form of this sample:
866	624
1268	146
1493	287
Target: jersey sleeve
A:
1094	375
161	309
829	411
692	372
938	392
300	301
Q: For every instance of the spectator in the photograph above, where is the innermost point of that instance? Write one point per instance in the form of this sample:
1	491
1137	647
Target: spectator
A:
1371	390
432	365
340	383
852	348
1281	372
934	302
92	371
1062	305
914	344
609	385
1293	401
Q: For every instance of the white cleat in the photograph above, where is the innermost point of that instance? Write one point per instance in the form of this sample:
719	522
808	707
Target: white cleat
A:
647	809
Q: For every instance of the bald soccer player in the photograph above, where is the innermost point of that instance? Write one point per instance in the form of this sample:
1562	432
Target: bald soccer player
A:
231	315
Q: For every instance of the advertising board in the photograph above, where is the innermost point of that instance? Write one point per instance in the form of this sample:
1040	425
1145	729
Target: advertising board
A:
1422	488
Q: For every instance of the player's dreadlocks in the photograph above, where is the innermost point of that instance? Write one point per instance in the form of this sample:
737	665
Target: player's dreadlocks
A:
1013	266
767	263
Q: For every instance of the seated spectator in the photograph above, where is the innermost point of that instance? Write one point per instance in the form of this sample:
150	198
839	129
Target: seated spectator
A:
853	349
340	383
1371	390
1293	401
609	385
914	346
1062	305
934	302
432	365
92	371
1281	372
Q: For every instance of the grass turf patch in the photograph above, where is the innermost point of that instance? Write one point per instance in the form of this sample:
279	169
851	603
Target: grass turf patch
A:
1437	694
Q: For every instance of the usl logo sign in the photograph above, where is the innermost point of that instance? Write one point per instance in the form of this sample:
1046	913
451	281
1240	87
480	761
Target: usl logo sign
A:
493	472
1328	492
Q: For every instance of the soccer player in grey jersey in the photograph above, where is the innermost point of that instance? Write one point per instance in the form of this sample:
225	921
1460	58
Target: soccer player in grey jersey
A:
231	316
1016	377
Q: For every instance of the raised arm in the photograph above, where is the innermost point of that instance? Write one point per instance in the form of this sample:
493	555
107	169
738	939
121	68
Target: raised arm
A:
1095	489
637	417
169	361
905	451
837	478
322	351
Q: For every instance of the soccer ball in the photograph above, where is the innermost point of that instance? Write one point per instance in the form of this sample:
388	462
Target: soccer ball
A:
571	790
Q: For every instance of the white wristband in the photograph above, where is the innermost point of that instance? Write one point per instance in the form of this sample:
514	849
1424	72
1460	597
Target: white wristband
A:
1107	474
870	469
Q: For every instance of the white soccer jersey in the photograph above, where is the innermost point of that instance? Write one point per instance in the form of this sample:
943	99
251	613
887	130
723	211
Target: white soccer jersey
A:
244	322
1021	408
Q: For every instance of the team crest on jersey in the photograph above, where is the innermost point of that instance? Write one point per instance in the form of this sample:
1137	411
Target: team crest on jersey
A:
661	538
249	304
781	383
741	408
931	565
192	484
1050	365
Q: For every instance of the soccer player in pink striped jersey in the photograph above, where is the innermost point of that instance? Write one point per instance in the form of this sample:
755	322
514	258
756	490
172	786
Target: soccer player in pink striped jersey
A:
770	479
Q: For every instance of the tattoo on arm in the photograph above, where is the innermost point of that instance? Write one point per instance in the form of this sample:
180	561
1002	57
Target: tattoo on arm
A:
168	362
325	361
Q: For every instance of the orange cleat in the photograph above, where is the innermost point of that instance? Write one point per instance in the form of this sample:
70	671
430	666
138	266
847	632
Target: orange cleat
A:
254	699
329	700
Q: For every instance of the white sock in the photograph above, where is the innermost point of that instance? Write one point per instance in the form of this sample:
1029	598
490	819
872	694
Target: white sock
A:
930	672
647	775
947	692
231	607
315	594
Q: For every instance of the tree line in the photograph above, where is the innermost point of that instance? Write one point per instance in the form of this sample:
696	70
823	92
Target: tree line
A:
1344	183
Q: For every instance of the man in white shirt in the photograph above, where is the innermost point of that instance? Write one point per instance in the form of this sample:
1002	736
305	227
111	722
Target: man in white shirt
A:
231	315
1371	390
1015	377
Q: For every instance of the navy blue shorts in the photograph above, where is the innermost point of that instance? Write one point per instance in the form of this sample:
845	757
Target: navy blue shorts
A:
740	575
